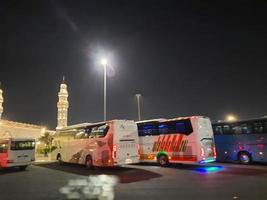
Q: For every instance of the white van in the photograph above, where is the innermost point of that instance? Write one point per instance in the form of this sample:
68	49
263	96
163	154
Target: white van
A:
17	152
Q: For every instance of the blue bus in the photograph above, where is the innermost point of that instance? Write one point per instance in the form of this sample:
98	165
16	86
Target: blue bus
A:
244	141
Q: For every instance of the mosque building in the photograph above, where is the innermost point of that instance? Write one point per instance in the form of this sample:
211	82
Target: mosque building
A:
24	130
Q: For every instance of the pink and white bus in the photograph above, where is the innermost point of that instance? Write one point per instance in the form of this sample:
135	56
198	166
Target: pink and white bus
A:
178	140
17	152
103	144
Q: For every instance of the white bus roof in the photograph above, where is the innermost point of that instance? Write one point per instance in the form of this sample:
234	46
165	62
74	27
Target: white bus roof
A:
187	117
83	125
75	126
18	139
166	120
151	120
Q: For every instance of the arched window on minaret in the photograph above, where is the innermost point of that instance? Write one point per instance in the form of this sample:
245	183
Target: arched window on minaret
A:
62	105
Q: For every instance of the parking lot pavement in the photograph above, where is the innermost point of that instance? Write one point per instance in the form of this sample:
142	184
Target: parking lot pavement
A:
220	181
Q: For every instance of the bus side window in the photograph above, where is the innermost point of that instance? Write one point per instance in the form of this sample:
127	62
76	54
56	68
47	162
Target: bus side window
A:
140	130
163	128
258	127
93	132
218	130
79	135
246	128
265	127
184	127
88	131
149	129
102	131
236	129
227	129
99	131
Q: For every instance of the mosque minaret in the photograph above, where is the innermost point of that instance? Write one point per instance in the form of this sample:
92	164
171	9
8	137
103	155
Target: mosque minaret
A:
62	105
1	101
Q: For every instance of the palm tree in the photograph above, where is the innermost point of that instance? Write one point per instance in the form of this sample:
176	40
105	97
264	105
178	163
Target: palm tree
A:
47	140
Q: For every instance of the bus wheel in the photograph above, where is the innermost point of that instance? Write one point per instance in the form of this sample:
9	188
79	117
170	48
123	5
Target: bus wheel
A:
59	159
244	158
163	160
89	162
23	167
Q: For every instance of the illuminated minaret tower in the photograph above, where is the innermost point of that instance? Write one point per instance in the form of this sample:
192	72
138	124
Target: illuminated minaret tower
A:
1	101
62	105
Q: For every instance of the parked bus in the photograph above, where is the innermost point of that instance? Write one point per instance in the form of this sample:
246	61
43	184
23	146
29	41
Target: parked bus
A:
103	144
179	140
17	152
243	141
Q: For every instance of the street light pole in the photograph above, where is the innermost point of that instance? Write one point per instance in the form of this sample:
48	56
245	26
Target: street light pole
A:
138	106
105	92
105	63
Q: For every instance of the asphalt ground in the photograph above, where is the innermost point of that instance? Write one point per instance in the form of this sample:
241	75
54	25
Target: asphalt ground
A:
220	181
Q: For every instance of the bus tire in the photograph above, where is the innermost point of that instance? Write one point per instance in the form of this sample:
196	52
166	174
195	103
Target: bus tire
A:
22	168
163	160
59	159
244	157
89	162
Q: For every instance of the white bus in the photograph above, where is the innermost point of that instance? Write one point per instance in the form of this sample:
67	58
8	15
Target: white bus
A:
17	152
103	144
179	140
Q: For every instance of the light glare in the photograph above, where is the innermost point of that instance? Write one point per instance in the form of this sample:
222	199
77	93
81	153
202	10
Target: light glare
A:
231	118
104	61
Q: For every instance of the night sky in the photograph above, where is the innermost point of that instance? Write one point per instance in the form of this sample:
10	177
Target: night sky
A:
197	58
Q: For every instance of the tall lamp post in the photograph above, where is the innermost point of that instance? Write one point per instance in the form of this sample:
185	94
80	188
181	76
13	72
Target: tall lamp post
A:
104	62
138	96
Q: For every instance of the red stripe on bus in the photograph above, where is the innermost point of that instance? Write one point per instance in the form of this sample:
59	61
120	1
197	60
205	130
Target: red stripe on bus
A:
161	144
166	144
156	144
179	142
173	140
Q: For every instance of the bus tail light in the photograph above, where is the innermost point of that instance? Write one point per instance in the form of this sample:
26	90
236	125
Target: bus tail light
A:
114	152
214	152
139	153
202	152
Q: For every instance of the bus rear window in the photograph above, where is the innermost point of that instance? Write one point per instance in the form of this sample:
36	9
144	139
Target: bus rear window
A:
22	145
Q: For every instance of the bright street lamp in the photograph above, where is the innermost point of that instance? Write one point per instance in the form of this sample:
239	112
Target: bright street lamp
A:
104	62
138	96
230	118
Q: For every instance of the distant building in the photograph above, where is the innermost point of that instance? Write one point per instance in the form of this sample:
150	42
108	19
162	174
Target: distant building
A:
17	129
62	106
